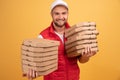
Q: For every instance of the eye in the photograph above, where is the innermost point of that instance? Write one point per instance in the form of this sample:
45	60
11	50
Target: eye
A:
64	13
56	13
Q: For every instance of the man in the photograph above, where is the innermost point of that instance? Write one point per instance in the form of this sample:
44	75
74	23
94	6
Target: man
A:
67	67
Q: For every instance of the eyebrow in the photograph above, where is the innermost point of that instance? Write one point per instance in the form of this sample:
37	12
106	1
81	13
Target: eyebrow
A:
58	12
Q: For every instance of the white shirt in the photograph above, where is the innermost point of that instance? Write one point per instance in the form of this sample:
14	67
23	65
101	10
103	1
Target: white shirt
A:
60	36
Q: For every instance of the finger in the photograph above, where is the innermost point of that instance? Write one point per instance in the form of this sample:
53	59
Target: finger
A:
92	53
88	50
28	74
33	75
36	74
85	50
89	47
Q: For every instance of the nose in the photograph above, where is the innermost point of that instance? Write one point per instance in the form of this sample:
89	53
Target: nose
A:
60	16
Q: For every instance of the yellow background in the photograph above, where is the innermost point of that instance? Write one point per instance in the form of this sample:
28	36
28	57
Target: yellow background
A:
21	19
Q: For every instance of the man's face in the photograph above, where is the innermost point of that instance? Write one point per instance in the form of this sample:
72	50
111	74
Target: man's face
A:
59	15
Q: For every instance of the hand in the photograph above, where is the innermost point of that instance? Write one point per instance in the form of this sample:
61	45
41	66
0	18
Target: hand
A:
31	74
87	52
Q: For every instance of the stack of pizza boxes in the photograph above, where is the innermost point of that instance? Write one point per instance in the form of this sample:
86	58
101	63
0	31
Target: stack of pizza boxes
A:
79	37
40	55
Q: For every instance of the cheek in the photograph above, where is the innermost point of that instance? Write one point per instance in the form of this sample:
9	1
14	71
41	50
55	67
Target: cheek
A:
66	17
54	17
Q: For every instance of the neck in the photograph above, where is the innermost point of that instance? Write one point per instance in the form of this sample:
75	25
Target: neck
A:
59	30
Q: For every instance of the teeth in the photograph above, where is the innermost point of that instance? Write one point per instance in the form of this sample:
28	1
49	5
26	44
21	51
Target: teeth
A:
60	20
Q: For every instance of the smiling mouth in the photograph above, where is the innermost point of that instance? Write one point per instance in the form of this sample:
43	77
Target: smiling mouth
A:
59	24
60	20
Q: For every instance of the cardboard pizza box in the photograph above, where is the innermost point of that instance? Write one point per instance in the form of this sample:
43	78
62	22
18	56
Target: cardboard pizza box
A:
37	42
79	29
44	63
40	68
82	24
92	24
80	47
86	32
38	54
41	73
79	52
86	41
39	49
39	59
79	38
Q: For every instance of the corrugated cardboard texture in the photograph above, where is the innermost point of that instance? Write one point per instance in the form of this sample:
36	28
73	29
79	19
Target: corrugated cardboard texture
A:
39	59
39	49
92	45
37	54
40	42
80	36
40	55
79	52
79	29
40	73
68	46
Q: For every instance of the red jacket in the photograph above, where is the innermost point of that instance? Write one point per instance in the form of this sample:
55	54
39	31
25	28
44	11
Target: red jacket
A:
67	67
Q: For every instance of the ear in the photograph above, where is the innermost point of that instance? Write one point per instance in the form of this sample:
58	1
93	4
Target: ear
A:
51	13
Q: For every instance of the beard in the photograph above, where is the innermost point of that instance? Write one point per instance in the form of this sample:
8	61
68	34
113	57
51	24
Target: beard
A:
58	24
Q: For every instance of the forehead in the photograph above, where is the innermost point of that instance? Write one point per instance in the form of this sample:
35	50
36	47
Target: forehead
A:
60	8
